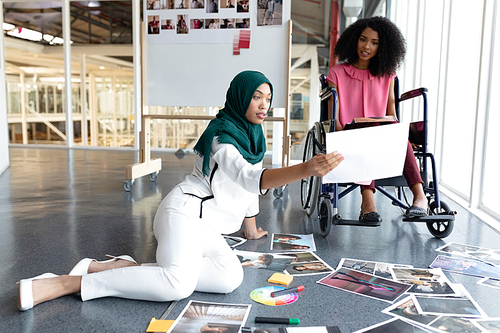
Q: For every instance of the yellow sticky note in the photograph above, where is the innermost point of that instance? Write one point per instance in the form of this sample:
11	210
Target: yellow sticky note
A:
281	278
157	325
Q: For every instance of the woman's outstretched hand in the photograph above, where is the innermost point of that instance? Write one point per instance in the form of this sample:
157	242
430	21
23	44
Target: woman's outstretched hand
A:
321	164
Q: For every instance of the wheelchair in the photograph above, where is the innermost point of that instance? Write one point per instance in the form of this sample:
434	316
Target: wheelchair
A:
324	198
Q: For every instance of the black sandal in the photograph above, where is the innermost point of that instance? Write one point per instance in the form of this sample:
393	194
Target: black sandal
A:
370	217
415	211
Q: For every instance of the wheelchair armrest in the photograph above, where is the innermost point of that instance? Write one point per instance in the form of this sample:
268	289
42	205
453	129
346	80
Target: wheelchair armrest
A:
326	93
412	93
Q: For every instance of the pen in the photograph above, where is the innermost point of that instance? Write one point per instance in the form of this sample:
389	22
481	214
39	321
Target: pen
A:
286	321
287	291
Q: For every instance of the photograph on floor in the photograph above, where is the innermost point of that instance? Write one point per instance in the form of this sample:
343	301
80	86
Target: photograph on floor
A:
307	263
493	283
454	324
211	317
234	241
365	284
466	266
489	325
293	242
271	261
469	251
393	325
424	281
448	306
376	268
406	310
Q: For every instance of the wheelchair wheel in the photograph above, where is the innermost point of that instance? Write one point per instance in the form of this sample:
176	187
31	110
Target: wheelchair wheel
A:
310	186
440	229
325	216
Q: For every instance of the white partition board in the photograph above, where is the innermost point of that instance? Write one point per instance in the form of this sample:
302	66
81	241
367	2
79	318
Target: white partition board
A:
191	74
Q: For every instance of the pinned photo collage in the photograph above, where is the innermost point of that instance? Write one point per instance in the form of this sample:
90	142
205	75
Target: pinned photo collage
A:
183	16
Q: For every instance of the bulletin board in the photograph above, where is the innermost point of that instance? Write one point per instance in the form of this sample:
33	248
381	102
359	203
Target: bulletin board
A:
195	68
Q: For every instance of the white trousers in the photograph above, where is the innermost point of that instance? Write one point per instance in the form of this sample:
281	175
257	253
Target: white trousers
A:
190	257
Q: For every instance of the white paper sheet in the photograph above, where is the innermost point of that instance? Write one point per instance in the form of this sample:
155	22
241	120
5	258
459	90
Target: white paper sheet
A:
369	153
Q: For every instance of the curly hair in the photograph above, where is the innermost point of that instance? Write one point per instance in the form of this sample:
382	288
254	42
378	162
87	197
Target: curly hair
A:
391	50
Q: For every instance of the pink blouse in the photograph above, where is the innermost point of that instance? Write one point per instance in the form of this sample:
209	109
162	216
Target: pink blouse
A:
360	94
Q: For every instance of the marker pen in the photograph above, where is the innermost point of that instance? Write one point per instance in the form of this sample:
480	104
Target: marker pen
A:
287	291
286	321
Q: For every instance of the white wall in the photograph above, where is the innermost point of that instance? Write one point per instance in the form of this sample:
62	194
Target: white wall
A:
4	134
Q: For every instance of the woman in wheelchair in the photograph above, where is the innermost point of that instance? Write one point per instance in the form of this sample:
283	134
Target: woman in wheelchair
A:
371	50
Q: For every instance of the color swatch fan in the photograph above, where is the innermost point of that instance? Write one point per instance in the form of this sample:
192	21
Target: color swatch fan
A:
263	295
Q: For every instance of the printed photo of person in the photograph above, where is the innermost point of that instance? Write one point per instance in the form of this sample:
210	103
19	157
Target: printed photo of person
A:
170	4
212	6
181	4
212	24
365	284
227	3
196	24
308	268
273	262
242	6
182	27
153	5
293	242
406	310
227	24
167	25
197	4
153	25
270	12
242	23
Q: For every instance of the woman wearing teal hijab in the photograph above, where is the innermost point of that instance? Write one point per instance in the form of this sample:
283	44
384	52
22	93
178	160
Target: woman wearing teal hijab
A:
220	194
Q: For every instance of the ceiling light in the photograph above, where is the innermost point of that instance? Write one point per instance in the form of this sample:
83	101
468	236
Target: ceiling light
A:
101	67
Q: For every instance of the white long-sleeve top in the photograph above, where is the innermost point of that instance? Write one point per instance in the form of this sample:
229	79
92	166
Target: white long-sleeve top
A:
231	191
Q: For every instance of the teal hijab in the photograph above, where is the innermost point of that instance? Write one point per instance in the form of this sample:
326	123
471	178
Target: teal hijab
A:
231	124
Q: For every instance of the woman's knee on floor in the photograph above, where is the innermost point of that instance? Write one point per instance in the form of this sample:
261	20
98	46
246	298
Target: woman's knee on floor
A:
178	285
222	281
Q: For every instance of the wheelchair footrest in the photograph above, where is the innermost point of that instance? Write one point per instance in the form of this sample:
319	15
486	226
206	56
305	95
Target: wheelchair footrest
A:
355	222
431	218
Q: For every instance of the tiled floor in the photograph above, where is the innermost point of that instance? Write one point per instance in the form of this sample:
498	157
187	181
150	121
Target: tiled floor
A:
58	206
